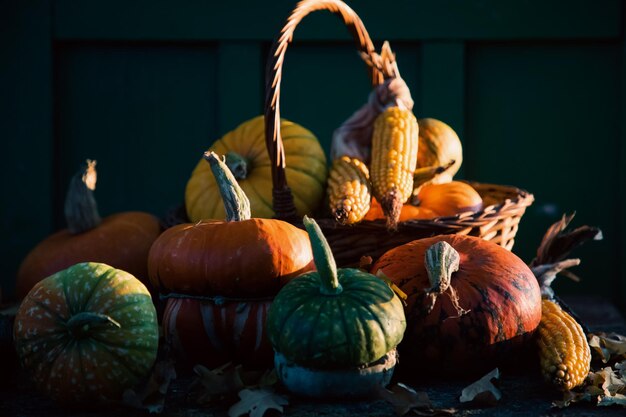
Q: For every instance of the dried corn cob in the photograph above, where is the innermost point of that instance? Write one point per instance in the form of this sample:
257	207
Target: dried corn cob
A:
563	349
349	190
394	157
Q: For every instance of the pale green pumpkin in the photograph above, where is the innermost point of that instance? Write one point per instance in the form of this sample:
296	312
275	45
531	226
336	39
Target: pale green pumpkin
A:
87	333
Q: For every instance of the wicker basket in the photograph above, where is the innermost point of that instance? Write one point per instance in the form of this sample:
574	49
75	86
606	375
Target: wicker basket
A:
503	205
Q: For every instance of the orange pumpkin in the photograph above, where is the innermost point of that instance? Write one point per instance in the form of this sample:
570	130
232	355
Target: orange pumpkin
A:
121	240
470	302
408	212
450	198
237	257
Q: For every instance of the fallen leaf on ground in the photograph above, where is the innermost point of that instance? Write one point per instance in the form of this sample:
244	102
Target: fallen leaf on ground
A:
256	402
607	346
482	392
212	384
405	399
603	387
150	396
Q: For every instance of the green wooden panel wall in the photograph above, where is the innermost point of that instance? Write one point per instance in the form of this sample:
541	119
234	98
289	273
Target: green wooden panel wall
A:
535	89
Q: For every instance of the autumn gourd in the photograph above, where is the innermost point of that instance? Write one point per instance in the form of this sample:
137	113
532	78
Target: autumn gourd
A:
349	190
394	159
449	199
471	303
121	240
408	212
247	158
87	333
213	331
224	271
564	353
334	320
439	145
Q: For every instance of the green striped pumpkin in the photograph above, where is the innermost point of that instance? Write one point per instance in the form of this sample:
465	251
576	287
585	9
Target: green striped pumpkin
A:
334	318
87	333
247	158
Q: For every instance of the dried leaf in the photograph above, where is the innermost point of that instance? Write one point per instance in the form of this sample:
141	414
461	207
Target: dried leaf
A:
608	346
557	244
212	384
609	382
482	392
405	399
617	399
151	395
256	402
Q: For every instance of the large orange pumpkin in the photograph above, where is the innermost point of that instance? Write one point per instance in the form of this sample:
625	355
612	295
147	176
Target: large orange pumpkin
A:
470	302
121	240
239	256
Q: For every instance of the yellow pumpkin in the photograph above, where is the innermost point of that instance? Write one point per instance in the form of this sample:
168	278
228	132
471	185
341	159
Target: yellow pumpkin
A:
247	157
438	146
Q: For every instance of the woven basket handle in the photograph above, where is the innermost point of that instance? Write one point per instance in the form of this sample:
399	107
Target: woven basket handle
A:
282	198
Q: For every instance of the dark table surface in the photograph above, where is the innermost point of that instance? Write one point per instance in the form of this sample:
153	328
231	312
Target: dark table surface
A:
523	392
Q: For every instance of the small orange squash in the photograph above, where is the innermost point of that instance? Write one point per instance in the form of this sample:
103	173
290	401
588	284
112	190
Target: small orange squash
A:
450	198
408	212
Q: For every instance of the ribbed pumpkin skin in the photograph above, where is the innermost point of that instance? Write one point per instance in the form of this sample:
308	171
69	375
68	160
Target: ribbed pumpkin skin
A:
203	332
76	370
122	240
358	326
438	145
498	289
252	257
306	171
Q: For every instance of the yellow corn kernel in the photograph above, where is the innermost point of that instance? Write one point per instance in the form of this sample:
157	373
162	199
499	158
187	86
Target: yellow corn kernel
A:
564	353
394	158
349	191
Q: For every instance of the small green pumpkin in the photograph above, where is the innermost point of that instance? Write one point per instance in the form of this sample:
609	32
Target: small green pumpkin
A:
87	333
334	318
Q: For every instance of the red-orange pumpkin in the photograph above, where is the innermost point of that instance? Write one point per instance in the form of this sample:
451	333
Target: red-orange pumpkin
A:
237	265
250	257
212	333
470	302
236	257
121	240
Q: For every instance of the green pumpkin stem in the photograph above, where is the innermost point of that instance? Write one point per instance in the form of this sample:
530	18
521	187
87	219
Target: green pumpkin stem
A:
323	257
81	209
441	261
237	164
81	324
235	200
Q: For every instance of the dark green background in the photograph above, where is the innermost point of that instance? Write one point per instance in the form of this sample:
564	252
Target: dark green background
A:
534	88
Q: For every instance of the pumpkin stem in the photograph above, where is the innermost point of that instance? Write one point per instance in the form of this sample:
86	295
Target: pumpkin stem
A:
81	324
81	209
235	200
237	164
426	175
442	260
323	257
